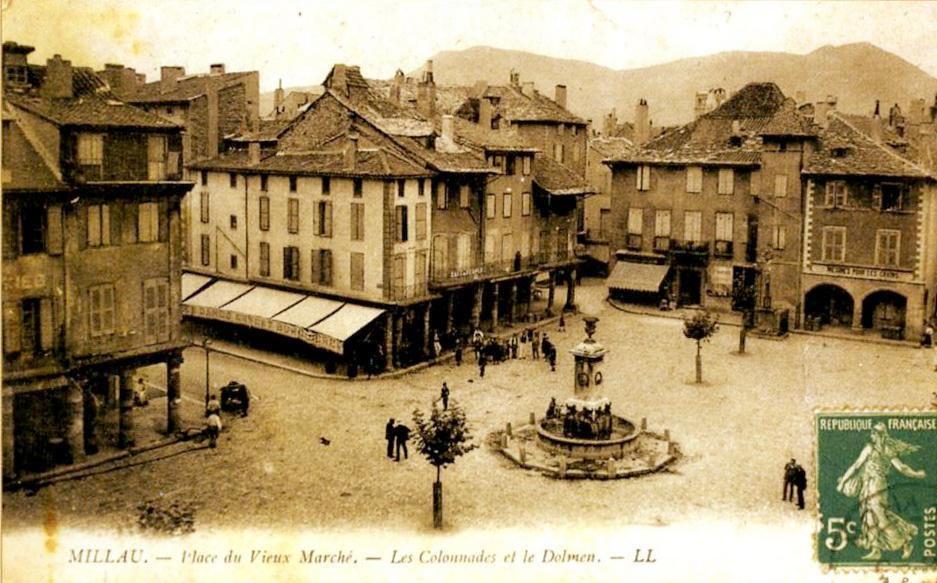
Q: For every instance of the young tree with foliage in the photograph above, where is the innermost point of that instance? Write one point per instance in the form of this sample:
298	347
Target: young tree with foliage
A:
441	438
700	328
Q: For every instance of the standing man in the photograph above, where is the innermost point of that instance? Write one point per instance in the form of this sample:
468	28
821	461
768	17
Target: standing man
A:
482	361
444	395
458	351
545	346
552	358
389	436
789	468
800	482
514	345
402	433
535	346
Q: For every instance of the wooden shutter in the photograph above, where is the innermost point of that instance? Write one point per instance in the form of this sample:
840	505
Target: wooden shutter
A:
46	325
11	230
328	219
131	217
12	334
162	224
316	267
326	267
54	241
110	216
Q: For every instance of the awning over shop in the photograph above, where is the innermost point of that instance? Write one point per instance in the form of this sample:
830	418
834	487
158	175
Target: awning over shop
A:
192	282
321	322
641	277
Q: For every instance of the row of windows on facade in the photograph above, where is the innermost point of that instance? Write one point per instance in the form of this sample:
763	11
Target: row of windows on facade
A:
36	228
887	246
886	196
323	218
692	230
91	155
29	324
325	184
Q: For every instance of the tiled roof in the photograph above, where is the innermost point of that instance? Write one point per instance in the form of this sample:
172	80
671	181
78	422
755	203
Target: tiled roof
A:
789	122
377	163
728	135
185	89
23	167
845	150
612	147
93	105
556	179
501	140
268	130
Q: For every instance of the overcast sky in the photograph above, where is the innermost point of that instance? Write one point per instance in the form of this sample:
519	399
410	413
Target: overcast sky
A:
298	41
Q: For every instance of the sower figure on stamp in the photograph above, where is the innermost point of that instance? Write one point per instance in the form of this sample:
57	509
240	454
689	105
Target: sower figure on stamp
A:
389	436
789	480
882	529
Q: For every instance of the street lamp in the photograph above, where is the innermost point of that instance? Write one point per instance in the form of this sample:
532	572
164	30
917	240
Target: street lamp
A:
206	342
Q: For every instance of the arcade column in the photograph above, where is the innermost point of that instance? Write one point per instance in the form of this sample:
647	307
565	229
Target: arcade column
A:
8	444
551	292
125	436
477	306
173	392
75	432
570	292
494	306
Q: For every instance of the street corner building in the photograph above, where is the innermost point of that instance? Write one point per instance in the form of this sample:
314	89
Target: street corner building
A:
804	215
385	214
92	241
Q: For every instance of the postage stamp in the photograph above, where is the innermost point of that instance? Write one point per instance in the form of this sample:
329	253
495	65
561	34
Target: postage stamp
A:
877	489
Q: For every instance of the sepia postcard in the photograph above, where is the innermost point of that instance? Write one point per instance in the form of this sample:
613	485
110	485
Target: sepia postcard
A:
517	290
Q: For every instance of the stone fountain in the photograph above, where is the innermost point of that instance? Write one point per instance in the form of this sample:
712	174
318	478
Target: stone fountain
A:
580	437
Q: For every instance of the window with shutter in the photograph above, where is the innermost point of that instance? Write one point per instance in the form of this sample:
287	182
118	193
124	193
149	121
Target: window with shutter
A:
421	221
31	326
102	310
507	204
99	225
357	221
147	222
692	226
780	185
325	266
643	176
293	215
726	181
32	228
12	336
204	208
11	231
205	241
419	272
157	154
401	224
46	325
264	259
264	209
357	271
54	241
694	179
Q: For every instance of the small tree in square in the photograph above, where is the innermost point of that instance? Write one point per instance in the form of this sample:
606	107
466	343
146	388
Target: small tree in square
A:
700	328
442	438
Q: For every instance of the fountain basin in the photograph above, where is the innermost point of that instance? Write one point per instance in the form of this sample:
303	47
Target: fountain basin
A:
621	441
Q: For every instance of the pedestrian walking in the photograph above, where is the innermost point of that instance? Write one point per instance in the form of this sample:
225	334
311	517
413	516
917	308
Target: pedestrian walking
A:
535	346
389	436
552	358
789	468
402	433
562	323
444	395
482	361
927	337
140	398
545	346
437	345
477	337
213	429
800	482
514	344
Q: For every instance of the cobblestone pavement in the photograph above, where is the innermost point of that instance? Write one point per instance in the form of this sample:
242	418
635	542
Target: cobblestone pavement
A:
736	431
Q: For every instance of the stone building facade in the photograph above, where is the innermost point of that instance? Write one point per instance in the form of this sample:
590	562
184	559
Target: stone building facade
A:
92	262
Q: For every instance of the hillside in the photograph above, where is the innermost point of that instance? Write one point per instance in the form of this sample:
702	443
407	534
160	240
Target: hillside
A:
857	74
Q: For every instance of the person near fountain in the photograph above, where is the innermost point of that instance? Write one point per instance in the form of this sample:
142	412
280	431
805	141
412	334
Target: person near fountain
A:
444	395
551	409
535	346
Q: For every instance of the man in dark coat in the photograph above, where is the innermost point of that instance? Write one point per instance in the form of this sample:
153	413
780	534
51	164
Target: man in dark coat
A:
553	358
482	361
402	433
800	482
789	480
458	351
444	395
389	436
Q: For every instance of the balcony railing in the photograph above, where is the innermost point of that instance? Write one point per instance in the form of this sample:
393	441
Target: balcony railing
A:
723	249
451	275
407	292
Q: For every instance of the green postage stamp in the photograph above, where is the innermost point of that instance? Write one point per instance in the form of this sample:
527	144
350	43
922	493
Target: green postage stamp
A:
877	489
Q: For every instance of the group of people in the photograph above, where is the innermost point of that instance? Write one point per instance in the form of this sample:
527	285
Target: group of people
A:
396	435
795	479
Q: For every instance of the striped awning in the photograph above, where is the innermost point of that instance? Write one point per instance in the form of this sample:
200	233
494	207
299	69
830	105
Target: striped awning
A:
640	277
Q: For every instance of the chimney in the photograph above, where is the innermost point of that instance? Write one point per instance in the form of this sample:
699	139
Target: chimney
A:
122	80
141	78
351	152
253	153
58	81
515	78
338	81
528	88
916	112
216	69
448	128
278	99
642	122
168	77
895	119
719	96
484	113
610	127
822	110
397	88
560	96
700	107
426	92
875	129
